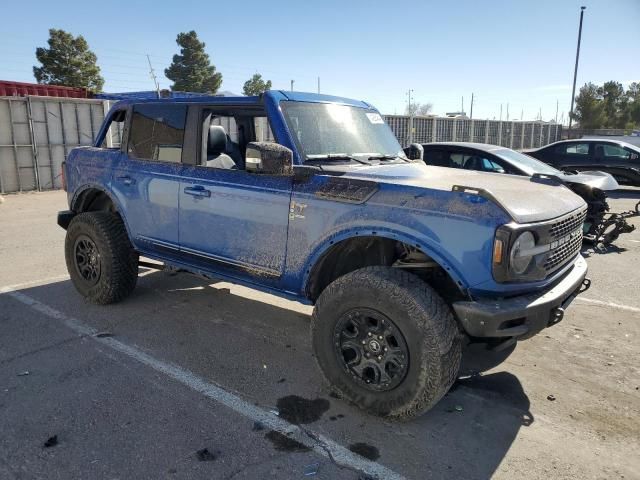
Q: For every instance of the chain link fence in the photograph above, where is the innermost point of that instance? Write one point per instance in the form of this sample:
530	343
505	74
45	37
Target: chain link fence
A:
512	134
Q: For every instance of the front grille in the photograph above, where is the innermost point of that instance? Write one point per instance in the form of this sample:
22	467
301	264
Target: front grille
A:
565	239
563	252
567	225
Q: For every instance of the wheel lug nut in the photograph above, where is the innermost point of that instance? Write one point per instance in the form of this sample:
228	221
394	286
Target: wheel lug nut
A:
363	342
369	334
367	355
379	337
379	357
385	349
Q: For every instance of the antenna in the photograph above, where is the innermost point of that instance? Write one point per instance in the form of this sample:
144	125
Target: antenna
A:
153	75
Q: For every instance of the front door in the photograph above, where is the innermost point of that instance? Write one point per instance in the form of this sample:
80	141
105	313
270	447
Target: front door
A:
235	219
231	219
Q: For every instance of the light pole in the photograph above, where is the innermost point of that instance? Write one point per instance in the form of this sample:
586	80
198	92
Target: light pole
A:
410	117
575	71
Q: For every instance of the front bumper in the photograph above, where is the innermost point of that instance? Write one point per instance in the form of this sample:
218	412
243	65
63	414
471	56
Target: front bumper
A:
525	315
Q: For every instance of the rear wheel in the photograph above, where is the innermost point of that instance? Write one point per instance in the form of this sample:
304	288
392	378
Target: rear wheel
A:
386	341
100	259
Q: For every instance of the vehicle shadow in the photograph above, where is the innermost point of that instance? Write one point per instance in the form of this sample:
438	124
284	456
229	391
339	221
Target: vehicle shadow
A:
592	249
258	347
630	192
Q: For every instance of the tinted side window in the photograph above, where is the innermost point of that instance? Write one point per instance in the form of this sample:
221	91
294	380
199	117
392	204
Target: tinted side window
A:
615	151
576	149
157	132
436	157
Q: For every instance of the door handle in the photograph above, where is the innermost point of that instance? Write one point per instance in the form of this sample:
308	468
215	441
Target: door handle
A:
197	191
127	180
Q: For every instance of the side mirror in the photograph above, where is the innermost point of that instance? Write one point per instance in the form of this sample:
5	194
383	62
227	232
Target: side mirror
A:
415	151
269	158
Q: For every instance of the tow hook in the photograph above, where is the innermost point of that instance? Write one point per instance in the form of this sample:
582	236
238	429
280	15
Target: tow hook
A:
586	283
557	314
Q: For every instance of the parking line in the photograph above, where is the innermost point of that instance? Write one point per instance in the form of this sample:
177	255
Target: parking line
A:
608	304
319	443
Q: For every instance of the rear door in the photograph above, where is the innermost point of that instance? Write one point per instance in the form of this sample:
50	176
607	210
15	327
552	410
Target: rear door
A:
230	219
147	179
574	155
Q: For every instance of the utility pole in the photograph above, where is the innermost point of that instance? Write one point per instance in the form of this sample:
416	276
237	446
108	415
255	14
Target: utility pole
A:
500	112
507	111
153	75
521	114
557	105
292	82
575	71
318	84
410	117
462	111
471	113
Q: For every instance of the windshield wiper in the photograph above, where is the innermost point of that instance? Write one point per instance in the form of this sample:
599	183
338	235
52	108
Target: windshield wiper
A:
336	156
388	157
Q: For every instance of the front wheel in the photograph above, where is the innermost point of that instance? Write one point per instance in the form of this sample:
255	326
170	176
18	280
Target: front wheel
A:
386	341
100	259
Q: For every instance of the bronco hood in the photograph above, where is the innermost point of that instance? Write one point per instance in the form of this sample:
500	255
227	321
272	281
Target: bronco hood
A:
525	199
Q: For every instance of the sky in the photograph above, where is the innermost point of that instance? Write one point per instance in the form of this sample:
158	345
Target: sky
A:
518	53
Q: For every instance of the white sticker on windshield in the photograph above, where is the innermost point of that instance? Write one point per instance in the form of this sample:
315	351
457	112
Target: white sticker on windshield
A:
375	118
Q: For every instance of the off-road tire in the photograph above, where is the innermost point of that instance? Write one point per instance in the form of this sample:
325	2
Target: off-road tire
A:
431	333
118	262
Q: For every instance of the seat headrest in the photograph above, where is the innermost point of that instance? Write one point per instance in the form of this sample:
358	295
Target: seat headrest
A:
217	141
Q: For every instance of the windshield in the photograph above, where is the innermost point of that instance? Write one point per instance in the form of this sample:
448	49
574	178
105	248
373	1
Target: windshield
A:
328	131
529	164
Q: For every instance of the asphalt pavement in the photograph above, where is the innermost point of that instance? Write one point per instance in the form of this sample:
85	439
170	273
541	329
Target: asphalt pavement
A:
190	378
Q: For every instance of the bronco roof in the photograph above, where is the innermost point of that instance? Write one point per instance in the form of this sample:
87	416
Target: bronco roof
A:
277	95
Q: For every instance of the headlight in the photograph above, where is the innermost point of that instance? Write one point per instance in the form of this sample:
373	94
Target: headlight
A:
519	258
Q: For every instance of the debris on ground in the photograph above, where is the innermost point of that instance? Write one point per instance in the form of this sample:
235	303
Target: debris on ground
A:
257	426
204	455
103	334
282	380
51	442
551	398
24	374
311	470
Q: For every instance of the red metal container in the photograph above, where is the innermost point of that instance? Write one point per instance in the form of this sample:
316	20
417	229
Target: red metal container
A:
21	89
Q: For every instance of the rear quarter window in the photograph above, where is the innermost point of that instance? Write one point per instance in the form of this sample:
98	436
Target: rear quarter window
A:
157	132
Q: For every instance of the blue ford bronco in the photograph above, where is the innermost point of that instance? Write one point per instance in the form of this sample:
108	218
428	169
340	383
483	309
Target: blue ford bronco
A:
311	197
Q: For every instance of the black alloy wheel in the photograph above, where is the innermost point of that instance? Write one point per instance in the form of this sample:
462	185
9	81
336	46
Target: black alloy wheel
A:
87	259
372	349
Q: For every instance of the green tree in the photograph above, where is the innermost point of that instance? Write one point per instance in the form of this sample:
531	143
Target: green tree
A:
589	108
614	104
191	71
255	85
68	61
633	105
